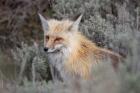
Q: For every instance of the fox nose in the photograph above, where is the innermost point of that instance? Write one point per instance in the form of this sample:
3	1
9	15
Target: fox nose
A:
45	49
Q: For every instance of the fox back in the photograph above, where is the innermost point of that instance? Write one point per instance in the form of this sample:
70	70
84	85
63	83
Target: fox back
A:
70	53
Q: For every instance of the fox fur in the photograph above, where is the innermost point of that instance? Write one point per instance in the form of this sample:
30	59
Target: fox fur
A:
70	53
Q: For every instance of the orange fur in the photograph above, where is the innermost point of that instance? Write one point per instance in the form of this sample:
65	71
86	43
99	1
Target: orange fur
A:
86	54
82	53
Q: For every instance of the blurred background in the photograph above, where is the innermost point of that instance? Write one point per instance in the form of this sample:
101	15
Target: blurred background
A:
112	24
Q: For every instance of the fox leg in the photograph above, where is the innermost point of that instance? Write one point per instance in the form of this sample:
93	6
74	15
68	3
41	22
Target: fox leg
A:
55	73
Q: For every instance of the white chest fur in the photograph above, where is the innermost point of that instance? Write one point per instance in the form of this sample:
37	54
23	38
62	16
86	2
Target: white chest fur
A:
58	60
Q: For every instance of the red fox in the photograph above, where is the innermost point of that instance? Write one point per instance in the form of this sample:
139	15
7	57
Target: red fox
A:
69	51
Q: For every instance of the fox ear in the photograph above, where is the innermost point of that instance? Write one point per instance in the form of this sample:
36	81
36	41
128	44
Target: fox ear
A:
75	25
44	23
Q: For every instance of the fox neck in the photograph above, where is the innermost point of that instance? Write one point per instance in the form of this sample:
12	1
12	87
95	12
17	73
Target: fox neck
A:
80	57
80	47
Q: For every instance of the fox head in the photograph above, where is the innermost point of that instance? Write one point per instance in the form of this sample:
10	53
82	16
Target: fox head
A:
58	35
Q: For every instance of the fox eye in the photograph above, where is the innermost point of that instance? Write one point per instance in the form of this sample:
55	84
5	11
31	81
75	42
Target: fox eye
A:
47	37
58	39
